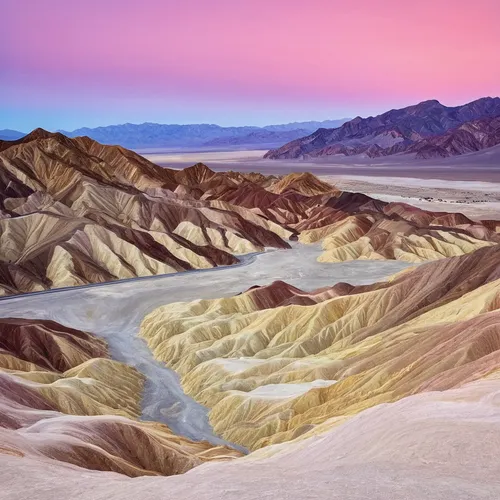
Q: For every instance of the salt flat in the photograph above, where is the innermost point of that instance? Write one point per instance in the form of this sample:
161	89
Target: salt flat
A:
469	184
481	166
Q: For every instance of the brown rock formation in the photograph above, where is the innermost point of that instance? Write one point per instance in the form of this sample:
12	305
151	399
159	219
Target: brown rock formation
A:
74	212
62	399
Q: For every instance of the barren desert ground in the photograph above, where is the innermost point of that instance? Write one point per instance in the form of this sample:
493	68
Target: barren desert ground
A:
469	184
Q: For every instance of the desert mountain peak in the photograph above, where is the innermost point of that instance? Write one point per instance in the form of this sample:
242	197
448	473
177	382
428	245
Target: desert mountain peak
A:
399	131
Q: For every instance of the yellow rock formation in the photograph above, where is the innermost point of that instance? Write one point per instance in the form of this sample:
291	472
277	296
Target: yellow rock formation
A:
272	375
361	238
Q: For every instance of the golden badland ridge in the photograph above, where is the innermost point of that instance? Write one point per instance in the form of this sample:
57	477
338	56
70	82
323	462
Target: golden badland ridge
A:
73	212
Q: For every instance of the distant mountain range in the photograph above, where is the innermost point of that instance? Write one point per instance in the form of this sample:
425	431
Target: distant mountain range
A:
426	130
155	135
10	135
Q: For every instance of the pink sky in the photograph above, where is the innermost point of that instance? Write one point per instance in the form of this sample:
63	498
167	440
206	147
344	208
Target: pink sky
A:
73	63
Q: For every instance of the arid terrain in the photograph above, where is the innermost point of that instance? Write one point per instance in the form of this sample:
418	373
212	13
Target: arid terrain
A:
249	250
421	131
469	184
227	327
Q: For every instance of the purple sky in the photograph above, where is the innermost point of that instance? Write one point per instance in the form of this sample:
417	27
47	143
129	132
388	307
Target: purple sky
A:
67	64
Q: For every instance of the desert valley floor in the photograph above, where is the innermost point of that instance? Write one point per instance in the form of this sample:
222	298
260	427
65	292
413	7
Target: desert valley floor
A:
469	184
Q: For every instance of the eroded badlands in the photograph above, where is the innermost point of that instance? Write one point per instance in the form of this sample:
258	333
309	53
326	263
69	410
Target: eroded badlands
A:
74	212
351	345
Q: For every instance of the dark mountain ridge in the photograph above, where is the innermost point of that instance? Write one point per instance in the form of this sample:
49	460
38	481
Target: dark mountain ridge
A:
396	131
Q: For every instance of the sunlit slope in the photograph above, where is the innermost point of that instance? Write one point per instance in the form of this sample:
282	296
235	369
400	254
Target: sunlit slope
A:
275	363
369	237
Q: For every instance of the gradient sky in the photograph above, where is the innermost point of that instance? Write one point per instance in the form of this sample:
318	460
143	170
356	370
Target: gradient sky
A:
71	63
